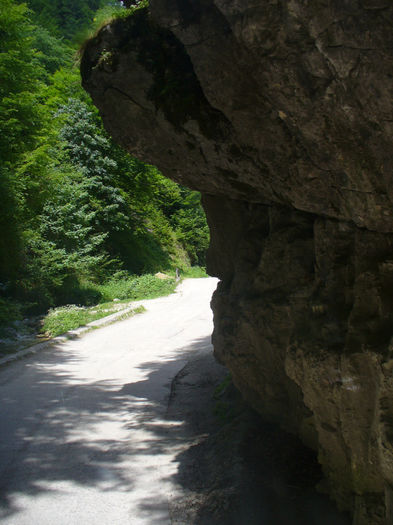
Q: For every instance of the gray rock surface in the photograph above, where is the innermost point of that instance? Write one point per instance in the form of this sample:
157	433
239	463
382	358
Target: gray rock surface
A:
281	114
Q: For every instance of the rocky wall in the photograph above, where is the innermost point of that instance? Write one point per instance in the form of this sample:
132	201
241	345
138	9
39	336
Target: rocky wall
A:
281	113
303	320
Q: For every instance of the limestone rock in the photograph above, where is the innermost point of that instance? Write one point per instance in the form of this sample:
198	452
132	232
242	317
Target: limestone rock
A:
162	276
281	114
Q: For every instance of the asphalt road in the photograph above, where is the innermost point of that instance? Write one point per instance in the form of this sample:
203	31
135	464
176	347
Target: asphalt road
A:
85	436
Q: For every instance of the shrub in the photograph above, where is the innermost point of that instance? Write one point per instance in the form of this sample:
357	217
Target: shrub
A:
143	287
194	272
9	311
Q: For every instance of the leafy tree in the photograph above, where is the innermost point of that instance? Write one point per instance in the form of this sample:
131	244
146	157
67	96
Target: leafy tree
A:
53	53
10	242
190	224
20	71
65	18
20	122
88	150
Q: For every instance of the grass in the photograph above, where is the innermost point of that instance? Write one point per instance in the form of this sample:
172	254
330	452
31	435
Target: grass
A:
194	272
120	289
60	320
134	288
190	272
105	16
65	318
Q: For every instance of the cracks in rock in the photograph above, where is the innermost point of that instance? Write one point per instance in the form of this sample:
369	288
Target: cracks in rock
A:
199	42
355	67
203	155
329	26
384	8
294	133
365	192
313	162
352	48
126	95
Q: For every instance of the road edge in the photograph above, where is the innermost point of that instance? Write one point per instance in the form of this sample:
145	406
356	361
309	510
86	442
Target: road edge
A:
34	347
126	313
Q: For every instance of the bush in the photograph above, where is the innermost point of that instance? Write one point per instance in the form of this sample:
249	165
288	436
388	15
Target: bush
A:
74	291
194	272
122	286
9	311
61	320
133	288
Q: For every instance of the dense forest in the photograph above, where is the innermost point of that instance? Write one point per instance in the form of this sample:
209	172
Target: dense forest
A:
76	209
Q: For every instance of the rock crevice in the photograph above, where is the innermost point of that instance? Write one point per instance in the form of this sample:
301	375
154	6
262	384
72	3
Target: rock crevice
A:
280	113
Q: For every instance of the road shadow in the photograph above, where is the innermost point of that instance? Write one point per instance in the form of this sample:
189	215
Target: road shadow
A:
39	446
241	470
230	467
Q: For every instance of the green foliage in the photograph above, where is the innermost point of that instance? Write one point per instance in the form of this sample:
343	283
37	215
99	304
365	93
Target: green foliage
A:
109	12
194	272
133	288
134	5
68	224
112	10
75	207
100	202
105	15
52	53
121	287
191	227
60	320
9	311
64	18
10	243
20	70
177	209
20	123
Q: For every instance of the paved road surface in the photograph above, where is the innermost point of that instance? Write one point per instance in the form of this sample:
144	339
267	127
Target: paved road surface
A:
83	433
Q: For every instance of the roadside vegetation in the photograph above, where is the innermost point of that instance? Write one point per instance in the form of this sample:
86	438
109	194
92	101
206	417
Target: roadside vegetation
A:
114	296
65	318
81	223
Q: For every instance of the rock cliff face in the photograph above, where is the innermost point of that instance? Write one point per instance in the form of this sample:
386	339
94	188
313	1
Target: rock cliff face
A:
281	113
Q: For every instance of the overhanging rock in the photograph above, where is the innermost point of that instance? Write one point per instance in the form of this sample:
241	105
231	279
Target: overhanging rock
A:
281	114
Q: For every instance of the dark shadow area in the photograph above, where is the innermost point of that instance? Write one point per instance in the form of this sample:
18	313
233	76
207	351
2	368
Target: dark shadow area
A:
231	467
244	470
